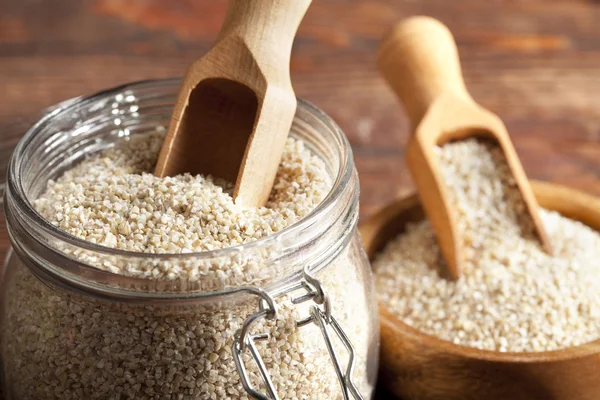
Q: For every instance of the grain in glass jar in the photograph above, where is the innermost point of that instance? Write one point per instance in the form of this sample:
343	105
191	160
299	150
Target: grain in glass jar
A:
99	310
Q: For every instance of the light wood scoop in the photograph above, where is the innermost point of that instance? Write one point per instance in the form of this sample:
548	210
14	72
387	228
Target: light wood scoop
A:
236	104
420	61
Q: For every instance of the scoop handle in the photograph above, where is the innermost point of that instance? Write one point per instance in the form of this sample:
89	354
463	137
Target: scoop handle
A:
420	61
267	27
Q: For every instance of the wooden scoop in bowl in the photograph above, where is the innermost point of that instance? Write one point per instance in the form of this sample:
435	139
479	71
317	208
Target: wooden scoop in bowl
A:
420	61
236	104
415	365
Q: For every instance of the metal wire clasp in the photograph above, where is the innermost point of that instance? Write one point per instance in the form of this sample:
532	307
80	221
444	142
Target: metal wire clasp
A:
319	314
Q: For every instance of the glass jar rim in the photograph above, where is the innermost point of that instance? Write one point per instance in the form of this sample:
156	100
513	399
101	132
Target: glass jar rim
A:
16	195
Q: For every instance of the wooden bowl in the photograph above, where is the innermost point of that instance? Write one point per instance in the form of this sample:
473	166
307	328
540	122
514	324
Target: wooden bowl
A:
417	366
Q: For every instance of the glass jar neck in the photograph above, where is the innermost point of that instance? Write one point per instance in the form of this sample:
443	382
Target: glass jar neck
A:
88	125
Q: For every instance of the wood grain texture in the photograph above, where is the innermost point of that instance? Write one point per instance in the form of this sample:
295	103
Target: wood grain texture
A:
421	367
536	63
420	61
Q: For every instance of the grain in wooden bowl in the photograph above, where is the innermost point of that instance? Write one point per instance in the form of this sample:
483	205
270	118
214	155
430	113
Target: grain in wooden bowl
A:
418	365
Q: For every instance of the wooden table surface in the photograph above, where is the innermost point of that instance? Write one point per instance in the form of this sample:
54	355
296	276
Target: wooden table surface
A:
534	62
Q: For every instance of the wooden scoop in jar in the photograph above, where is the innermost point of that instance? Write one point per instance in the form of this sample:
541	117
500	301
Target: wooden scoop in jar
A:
420	61
236	104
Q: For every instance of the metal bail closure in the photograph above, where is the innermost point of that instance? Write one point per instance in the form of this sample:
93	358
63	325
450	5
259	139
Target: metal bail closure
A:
319	314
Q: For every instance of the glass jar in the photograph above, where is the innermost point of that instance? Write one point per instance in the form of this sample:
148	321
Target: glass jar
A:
301	324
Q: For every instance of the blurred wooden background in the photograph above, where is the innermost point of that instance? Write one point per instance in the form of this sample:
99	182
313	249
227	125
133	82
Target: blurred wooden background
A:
534	62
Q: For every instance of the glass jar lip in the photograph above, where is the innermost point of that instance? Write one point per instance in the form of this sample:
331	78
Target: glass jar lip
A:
19	198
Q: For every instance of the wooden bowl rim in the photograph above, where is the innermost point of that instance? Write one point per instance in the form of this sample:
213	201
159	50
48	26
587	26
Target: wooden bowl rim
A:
576	198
